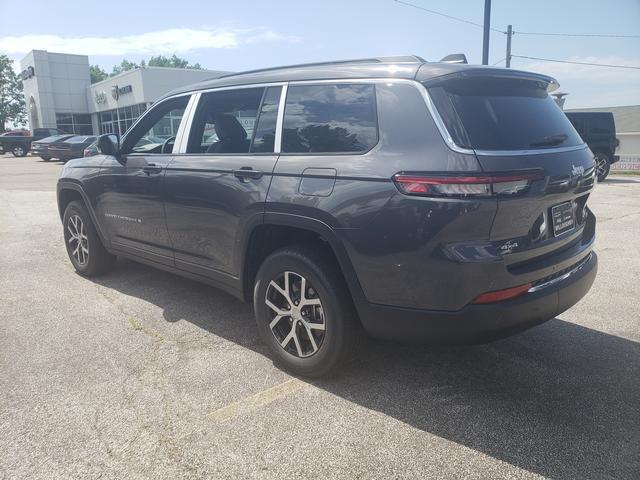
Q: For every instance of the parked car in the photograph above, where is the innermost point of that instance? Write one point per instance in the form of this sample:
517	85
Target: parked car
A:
72	147
421	201
598	130
20	145
41	147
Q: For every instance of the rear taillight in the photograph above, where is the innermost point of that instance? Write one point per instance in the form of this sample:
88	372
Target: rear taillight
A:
465	185
502	295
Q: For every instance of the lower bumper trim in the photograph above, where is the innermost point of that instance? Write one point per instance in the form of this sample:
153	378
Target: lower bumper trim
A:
480	323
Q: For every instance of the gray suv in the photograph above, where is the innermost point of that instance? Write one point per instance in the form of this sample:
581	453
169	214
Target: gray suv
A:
412	200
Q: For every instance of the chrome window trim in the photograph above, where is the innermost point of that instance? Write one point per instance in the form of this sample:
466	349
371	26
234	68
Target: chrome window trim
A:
182	137
433	111
540	151
237	87
277	143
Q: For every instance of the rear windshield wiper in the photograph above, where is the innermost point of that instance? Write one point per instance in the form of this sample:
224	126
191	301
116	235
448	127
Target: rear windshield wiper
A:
550	140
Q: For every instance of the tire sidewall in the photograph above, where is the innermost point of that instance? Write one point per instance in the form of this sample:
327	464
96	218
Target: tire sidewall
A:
75	209
332	345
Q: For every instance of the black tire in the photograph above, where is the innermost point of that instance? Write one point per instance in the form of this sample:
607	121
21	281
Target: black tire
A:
324	282
97	260
46	158
603	165
18	151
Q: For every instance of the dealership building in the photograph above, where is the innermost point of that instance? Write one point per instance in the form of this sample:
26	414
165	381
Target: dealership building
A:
59	93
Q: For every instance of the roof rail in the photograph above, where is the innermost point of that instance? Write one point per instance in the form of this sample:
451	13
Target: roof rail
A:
391	59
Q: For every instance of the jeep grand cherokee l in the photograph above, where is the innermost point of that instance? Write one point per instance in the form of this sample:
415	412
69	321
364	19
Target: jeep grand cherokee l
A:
423	201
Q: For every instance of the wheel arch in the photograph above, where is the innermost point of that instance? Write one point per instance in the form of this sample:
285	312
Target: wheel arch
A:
69	191
280	230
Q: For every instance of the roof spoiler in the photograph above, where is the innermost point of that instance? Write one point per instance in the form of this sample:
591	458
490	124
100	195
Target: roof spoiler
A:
455	58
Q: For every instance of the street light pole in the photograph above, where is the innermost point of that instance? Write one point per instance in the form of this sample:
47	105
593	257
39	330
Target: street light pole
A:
487	27
509	35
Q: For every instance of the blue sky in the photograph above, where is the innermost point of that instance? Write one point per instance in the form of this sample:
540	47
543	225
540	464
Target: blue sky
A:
239	35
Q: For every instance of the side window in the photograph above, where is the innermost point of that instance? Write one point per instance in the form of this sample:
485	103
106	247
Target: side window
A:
156	132
224	121
578	124
600	125
265	135
330	119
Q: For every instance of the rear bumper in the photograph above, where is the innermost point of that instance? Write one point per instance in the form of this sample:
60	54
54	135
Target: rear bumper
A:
480	323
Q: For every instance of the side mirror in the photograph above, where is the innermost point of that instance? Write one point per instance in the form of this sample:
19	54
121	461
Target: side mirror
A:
109	145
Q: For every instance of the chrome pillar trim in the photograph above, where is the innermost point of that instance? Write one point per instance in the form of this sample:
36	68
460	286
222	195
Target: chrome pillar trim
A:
182	136
277	144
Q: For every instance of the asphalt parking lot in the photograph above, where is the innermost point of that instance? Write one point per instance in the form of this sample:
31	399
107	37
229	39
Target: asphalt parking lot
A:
143	374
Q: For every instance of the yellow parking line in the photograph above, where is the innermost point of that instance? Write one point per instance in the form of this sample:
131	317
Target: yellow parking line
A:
257	400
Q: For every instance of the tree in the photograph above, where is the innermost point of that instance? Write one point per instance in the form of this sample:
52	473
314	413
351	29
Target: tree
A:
97	73
173	62
124	66
12	105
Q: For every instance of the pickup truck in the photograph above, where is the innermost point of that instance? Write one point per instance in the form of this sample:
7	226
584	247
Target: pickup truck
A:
20	145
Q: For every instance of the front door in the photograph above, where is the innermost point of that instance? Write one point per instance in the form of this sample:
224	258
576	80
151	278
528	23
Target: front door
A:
218	187
130	202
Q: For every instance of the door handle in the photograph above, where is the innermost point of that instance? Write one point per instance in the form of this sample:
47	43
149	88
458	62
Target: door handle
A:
152	168
245	173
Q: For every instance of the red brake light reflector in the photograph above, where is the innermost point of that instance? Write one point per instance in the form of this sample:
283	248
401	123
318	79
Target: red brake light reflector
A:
502	295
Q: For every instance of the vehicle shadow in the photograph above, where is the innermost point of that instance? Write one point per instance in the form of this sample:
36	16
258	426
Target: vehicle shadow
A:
560	400
622	180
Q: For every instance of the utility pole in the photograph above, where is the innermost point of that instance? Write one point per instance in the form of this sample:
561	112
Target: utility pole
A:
509	35
487	27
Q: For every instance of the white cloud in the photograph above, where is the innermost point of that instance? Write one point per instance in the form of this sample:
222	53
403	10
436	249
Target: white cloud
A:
175	40
592	86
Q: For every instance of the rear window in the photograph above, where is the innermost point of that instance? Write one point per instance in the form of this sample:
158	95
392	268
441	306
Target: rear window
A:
53	138
502	114
80	139
336	118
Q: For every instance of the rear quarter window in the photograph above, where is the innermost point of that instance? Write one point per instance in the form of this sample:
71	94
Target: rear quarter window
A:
327	118
502	114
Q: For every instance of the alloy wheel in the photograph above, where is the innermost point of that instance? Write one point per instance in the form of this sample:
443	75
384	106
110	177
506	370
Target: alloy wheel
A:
298	322
601	166
78	241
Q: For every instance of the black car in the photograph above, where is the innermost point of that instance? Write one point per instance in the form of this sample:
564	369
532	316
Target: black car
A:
598	130
72	147
40	148
419	201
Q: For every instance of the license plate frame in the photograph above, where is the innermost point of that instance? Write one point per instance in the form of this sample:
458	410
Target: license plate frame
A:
562	218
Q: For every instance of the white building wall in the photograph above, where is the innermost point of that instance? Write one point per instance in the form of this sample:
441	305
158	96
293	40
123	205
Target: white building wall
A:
629	151
58	86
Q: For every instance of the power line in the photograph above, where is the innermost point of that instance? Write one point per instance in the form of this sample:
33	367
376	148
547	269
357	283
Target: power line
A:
598	35
578	63
500	61
451	17
550	34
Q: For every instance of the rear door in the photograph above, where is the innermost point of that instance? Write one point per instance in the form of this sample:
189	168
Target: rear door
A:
217	186
514	127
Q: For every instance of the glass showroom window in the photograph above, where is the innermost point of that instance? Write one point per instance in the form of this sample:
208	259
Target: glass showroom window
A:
78	123
128	115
